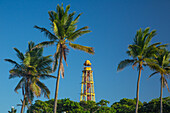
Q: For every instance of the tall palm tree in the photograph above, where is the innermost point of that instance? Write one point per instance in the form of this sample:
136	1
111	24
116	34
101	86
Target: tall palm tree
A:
31	69
141	51
161	65
64	33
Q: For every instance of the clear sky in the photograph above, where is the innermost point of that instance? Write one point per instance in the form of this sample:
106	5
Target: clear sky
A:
113	23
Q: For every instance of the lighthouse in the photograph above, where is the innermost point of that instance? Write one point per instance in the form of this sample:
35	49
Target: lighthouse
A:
87	84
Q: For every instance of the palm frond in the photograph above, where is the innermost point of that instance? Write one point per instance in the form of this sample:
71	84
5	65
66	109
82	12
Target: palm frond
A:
153	74
155	44
13	76
82	48
19	54
145	34
36	89
65	51
44	44
45	76
69	21
53	16
135	63
150	36
15	73
134	50
44	60
27	59
166	83
31	44
23	91
30	97
43	65
60	11
150	60
19	85
78	33
124	63
47	33
55	28
36	52
64	17
44	89
12	62
162	46
62	70
60	30
76	19
154	66
44	70
138	38
151	51
56	57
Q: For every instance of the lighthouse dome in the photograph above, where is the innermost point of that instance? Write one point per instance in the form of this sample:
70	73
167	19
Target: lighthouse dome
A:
87	63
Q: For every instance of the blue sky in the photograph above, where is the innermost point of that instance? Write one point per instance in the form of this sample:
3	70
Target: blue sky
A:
113	23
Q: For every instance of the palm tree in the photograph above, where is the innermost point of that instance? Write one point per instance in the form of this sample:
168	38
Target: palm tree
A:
141	51
161	65
31	69
64	33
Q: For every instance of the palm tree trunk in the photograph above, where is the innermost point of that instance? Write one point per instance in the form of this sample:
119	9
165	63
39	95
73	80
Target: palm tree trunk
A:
57	85
137	91
161	95
23	104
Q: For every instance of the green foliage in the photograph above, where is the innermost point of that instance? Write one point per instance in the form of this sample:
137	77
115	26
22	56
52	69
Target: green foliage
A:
123	106
103	102
141	50
126	105
68	106
142	53
32	67
63	105
88	106
64	32
161	64
154	106
40	107
105	110
64	28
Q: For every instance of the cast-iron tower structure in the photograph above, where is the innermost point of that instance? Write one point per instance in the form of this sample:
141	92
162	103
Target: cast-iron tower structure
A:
87	84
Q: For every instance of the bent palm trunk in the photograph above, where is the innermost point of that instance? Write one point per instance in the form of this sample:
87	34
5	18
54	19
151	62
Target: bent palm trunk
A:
137	92
57	85
161	95
23	104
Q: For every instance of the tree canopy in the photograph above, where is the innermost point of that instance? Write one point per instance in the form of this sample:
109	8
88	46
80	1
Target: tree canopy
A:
123	106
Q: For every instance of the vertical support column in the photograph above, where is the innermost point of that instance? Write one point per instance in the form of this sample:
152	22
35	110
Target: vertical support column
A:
82	84
86	85
91	93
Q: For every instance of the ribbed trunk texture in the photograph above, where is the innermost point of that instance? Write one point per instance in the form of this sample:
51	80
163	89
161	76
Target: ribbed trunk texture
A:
137	91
